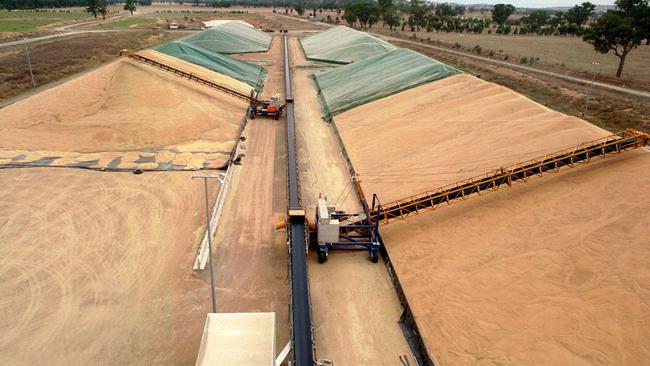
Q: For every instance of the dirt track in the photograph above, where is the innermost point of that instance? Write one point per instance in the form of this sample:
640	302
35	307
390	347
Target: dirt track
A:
355	307
250	256
95	268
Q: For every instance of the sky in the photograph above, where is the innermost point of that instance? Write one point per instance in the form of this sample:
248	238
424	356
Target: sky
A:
534	3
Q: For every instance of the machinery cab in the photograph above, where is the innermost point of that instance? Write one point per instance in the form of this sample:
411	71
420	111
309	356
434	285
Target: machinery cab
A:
267	108
335	233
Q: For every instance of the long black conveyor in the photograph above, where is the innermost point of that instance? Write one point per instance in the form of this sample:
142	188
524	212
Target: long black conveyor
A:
300	306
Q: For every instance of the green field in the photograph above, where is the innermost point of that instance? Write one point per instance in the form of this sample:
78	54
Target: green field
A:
24	21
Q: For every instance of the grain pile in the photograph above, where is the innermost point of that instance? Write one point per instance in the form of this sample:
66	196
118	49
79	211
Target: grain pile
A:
343	45
550	272
438	133
231	37
96	268
197	70
126	105
243	71
373	78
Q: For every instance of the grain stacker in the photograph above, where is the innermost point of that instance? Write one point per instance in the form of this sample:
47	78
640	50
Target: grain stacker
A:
337	230
267	108
256	107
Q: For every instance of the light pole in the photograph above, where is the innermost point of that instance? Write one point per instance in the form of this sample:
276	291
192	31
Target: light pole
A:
205	178
29	62
593	81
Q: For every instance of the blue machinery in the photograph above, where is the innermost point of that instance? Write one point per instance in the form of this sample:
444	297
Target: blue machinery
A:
336	232
301	325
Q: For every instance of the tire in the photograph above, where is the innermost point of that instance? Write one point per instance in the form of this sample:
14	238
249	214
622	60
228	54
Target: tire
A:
322	257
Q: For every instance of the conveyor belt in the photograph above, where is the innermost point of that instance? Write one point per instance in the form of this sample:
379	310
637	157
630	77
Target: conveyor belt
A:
491	181
303	346
192	77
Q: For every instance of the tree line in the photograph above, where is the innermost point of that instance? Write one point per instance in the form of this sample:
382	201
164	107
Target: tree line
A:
34	4
417	15
53	4
619	30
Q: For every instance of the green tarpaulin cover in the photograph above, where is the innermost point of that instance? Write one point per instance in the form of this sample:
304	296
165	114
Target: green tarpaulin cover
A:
246	72
343	45
377	77
231	37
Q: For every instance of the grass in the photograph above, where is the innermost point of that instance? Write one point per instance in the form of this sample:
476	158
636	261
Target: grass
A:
24	21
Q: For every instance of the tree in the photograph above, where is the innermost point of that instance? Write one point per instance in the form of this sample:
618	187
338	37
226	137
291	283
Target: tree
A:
445	10
502	12
391	18
385	5
93	7
557	20
579	14
130	5
419	12
367	13
640	12
536	20
620	30
374	16
350	15
299	7
102	7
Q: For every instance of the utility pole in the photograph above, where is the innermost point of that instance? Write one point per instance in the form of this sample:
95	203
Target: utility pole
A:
207	217
593	81
29	62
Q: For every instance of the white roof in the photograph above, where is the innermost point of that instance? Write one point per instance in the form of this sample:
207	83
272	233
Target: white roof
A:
238	339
